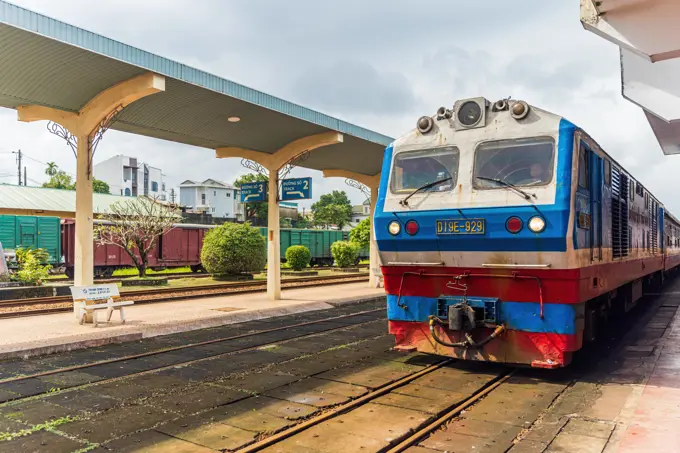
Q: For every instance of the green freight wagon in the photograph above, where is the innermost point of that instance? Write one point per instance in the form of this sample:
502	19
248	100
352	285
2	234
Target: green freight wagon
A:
317	241
32	232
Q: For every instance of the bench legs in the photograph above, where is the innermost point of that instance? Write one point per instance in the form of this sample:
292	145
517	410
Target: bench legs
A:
109	313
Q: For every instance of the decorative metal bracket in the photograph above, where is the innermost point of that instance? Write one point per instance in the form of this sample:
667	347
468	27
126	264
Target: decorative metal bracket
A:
357	185
93	140
291	164
61	132
254	166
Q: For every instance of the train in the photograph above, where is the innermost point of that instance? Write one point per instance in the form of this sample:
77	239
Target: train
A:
507	234
179	247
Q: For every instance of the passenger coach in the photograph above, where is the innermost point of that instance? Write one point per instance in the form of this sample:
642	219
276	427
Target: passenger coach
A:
507	234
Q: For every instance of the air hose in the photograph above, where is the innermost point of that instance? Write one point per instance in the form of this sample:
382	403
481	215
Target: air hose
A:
469	342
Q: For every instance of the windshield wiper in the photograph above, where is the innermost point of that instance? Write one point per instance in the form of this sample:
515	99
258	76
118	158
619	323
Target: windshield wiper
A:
508	185
404	202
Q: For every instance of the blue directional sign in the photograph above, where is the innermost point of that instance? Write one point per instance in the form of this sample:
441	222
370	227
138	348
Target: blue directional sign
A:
296	189
252	192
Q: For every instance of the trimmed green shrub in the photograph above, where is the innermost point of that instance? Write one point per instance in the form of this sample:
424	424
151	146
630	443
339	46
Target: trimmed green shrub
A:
298	257
345	253
232	249
31	267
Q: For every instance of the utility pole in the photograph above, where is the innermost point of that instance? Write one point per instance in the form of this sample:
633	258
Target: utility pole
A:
25	177
18	153
172	196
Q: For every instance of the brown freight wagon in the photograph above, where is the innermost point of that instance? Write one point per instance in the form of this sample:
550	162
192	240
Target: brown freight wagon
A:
179	247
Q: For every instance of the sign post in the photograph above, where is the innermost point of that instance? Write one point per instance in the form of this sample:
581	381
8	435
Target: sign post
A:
253	192
296	189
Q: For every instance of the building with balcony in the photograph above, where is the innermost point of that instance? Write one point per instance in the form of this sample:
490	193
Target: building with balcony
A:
128	177
212	197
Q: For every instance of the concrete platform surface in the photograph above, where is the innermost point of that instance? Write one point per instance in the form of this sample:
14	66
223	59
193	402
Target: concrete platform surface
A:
652	411
44	334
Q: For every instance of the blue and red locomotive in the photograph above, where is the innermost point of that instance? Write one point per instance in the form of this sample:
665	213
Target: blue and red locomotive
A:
507	234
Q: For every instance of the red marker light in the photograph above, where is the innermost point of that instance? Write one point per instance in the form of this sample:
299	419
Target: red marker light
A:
412	227
513	225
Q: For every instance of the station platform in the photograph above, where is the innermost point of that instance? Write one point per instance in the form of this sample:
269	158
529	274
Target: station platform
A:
46	334
627	403
650	417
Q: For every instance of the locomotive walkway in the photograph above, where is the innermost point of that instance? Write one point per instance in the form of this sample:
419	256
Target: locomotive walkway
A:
59	332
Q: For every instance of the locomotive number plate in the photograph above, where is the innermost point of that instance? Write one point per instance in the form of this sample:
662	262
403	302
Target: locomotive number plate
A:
461	226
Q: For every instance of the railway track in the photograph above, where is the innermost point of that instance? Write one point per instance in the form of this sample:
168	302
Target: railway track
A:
59	304
89	374
286	437
207	355
179	275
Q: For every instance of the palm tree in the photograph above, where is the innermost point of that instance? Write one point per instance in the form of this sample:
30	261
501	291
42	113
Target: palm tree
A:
52	169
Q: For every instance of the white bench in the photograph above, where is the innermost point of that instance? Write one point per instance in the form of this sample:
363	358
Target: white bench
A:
88	300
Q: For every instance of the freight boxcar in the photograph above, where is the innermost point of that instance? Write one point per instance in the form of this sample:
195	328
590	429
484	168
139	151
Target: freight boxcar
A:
31	232
179	247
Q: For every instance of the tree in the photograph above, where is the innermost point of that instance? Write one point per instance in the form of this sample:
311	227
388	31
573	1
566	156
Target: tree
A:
232	249
260	209
333	209
100	187
51	169
135	225
361	234
303	222
59	179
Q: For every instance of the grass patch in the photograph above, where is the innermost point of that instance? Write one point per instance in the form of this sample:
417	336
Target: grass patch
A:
35	428
132	272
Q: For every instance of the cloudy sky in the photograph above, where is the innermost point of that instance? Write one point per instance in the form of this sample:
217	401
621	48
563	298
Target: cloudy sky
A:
379	64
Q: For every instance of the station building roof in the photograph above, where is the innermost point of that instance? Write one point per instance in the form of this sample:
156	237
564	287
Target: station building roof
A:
26	200
47	62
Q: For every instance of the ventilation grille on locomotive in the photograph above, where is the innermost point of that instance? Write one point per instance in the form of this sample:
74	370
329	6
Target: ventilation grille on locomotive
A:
620	230
655	226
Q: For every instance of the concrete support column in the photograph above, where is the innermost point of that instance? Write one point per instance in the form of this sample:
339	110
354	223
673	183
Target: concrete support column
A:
374	276
273	162
373	183
84	248
273	238
93	117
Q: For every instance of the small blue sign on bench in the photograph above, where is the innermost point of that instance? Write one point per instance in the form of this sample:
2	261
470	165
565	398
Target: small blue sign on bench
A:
296	189
252	192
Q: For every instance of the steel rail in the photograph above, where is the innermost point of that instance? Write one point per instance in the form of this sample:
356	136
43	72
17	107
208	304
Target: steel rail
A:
184	362
416	437
380	391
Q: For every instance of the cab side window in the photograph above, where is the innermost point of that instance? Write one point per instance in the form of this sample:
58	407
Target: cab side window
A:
583	170
607	173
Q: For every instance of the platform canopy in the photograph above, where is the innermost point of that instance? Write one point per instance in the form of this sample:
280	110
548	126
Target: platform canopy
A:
46	62
646	32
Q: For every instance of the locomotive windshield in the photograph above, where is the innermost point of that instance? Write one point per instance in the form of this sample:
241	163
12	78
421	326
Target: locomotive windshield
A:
519	162
414	169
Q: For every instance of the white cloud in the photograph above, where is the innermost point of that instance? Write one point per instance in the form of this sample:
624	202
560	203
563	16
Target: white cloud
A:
378	64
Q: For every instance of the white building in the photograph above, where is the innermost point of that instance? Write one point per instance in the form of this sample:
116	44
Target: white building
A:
128	177
359	213
212	197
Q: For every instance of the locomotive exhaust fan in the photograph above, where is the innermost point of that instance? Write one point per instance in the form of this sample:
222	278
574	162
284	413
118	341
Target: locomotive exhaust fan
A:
470	113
